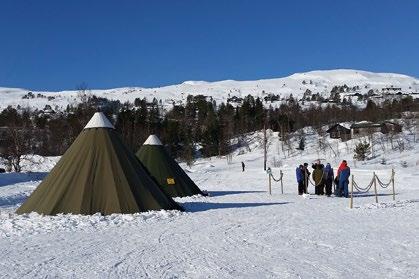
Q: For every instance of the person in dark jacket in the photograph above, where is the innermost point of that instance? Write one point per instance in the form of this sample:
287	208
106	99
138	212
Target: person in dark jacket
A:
243	166
306	174
344	172
328	175
299	172
318	179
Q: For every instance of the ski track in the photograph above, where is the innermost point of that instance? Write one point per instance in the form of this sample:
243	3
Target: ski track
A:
239	231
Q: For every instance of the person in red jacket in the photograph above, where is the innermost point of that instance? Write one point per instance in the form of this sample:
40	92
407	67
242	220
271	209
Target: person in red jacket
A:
342	165
343	176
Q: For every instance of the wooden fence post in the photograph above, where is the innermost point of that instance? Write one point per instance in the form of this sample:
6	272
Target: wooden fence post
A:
351	204
375	188
392	182
269	172
282	186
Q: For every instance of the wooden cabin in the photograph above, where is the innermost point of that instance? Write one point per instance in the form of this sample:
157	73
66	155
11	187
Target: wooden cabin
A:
366	128
339	131
390	127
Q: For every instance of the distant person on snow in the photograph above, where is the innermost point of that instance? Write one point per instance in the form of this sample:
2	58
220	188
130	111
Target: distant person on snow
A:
328	175
243	166
299	172
343	175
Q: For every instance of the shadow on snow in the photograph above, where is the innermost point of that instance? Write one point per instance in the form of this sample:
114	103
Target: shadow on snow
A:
204	206
366	195
225	193
13	200
14	177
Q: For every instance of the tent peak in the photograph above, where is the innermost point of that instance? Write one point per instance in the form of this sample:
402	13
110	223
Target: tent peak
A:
99	120
153	140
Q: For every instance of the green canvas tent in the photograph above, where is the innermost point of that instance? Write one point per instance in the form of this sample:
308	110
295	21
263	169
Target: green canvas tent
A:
170	176
97	174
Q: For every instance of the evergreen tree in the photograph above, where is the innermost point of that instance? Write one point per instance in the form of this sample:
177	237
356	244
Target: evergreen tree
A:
362	149
301	144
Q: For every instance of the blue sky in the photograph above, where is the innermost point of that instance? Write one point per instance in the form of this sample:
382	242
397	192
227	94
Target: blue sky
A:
55	45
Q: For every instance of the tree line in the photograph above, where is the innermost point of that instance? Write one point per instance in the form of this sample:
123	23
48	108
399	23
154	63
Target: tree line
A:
199	127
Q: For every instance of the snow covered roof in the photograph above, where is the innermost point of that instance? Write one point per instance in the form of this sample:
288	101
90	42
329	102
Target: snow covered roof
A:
345	124
99	120
153	140
338	126
365	124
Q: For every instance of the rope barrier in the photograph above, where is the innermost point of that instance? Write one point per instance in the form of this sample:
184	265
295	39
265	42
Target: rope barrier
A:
311	182
373	182
361	190
366	189
314	183
271	176
276	180
385	185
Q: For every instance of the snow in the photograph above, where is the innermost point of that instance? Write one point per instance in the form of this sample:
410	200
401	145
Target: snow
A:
346	125
239	231
322	82
99	120
152	140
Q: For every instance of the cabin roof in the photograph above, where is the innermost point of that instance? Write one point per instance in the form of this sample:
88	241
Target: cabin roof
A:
339	126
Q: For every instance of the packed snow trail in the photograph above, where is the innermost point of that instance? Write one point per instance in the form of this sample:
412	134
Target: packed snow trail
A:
238	232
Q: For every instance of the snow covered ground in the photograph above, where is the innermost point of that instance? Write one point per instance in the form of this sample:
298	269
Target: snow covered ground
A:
239	231
320	82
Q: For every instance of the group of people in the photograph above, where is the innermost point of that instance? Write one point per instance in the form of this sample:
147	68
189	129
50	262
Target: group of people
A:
324	178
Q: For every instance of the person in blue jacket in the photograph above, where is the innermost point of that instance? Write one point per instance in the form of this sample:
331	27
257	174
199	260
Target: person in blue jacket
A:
328	175
344	172
299	172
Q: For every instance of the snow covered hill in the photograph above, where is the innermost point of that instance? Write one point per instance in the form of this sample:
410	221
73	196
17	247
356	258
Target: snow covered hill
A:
322	82
239	231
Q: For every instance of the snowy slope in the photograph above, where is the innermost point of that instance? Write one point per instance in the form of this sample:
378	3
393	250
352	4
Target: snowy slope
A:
321	82
237	232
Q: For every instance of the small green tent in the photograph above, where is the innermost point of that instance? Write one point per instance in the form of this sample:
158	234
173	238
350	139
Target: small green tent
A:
170	176
97	174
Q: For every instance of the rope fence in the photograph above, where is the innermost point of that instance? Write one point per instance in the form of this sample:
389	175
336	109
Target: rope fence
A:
314	183
384	185
373	183
271	177
361	190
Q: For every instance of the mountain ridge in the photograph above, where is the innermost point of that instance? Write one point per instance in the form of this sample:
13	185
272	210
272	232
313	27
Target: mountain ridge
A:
317	82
